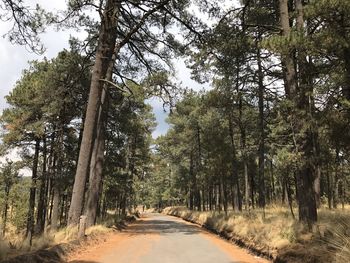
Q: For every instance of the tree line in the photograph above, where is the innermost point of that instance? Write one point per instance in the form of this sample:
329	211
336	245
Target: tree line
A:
274	127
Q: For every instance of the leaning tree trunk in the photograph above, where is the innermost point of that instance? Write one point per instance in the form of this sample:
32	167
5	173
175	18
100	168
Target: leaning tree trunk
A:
97	156
31	210
105	48
96	165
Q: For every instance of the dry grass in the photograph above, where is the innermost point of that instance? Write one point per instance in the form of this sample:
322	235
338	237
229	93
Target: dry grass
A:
335	233
15	243
98	230
277	231
63	235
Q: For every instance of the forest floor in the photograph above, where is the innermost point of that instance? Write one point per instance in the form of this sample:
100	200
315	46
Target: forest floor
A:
160	238
274	233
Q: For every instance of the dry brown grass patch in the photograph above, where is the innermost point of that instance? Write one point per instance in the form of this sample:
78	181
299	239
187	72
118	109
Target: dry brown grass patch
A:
274	231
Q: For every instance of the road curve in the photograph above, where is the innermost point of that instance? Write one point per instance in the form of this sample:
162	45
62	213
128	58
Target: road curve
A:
158	238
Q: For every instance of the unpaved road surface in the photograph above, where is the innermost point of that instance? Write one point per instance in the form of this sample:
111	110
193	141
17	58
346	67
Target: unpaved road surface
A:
157	238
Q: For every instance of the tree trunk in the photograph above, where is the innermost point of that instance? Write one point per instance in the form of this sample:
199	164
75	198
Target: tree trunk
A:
317	186
287	59
96	168
51	205
6	206
252	191
40	222
55	207
329	189
246	184
289	196
97	157
219	194
31	210
284	190
50	172
346	86
273	195
261	131
335	181
210	197
203	200
305	174
105	48
192	183
224	193
234	172
307	202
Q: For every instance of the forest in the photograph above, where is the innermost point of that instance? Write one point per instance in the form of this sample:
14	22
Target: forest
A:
266	138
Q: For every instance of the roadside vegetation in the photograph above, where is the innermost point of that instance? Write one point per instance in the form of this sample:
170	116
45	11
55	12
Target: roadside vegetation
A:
274	233
15	243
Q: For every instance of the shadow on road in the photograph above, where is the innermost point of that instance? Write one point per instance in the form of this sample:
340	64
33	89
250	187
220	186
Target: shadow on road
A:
162	227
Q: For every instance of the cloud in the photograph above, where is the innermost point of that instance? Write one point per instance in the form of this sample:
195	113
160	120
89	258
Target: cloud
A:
161	115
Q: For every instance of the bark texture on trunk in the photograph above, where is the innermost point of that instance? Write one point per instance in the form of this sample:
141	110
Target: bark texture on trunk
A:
105	49
55	207
96	165
97	157
317	187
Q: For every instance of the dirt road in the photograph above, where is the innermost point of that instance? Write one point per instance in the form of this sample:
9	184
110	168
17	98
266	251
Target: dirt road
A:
163	239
